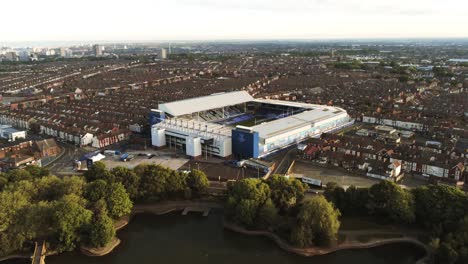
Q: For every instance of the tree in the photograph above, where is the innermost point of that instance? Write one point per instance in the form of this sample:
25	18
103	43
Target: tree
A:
101	230
302	236
446	254
356	200
350	202
3	182
98	172
176	183
73	185
140	169
118	201
440	207
286	193
336	195
18	175
34	220
69	220
129	179
97	190
48	187
153	183
267	215
12	200
316	224
36	171
10	242
245	198
388	200
197	181
53	209
454	245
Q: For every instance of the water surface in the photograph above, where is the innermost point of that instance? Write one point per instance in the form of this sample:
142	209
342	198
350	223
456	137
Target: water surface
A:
194	239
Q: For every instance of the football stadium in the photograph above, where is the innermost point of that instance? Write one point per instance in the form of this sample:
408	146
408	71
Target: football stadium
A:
236	125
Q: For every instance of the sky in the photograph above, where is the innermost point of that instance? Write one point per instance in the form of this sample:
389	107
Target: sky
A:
153	20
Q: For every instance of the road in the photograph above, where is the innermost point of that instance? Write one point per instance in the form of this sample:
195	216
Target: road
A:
64	164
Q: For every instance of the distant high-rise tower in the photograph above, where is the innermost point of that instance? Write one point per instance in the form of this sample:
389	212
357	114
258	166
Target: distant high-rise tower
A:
97	50
63	52
170	50
162	54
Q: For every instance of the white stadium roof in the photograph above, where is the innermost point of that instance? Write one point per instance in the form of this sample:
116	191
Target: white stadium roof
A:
199	104
290	123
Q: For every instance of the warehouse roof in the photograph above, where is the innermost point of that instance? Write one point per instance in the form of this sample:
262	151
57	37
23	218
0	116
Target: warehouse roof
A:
204	103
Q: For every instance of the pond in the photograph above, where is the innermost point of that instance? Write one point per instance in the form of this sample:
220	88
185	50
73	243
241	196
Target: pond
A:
194	239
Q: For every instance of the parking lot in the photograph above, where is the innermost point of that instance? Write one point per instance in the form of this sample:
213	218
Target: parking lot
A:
326	175
167	159
215	169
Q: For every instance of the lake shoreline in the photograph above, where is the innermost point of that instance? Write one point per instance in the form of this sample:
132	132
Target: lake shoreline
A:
16	256
172	206
156	209
318	251
102	251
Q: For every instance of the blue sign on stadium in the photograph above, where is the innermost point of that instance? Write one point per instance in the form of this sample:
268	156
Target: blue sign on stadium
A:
244	144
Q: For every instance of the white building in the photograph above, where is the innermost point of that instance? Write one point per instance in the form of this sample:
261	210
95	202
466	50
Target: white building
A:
162	54
208	125
97	50
196	138
11	134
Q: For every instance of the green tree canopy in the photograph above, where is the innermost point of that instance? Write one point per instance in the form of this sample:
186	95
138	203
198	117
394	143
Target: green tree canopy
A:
316	224
69	219
34	220
267	215
286	193
18	175
336	194
11	201
388	200
118	201
440	207
37	171
129	179
3	182
73	185
245	199
356	200
98	172
353	201
49	188
176	182
96	190
153	183
197	181
54	209
101	230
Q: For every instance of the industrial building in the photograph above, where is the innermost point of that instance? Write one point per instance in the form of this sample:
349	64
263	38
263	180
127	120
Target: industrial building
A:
236	125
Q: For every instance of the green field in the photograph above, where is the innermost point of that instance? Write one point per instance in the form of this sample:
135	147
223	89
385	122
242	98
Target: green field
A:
252	122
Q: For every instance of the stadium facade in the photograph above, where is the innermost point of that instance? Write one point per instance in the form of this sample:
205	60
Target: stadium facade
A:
236	125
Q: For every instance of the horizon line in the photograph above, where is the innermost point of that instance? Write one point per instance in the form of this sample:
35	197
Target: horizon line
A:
244	39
